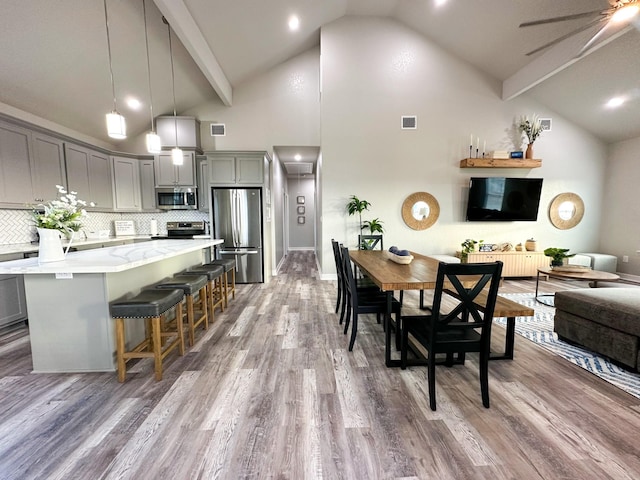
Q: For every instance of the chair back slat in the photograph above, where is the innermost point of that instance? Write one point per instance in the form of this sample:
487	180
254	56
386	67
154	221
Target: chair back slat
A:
349	278
467	312
370	242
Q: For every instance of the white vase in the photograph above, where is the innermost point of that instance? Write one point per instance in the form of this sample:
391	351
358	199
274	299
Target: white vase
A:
50	248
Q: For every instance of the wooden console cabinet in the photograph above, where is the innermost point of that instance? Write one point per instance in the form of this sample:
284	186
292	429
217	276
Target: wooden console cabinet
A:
516	264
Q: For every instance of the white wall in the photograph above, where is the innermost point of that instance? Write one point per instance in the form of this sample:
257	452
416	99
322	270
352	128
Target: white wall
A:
280	107
373	71
278	189
301	236
318	187
620	229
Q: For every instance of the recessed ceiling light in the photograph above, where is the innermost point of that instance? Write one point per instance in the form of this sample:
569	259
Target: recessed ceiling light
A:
615	102
625	13
133	103
439	3
294	22
298	157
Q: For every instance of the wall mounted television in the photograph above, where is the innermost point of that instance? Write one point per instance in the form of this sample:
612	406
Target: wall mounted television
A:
501	199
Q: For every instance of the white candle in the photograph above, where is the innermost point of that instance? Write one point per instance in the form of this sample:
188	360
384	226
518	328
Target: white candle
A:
478	143
484	147
471	139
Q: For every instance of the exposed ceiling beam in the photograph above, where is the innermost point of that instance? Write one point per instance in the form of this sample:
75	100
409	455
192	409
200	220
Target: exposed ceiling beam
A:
551	62
181	21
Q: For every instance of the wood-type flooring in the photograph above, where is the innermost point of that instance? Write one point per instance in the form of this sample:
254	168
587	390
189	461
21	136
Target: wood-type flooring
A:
271	392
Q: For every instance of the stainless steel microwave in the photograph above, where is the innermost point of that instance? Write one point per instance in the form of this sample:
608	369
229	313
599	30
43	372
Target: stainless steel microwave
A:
176	198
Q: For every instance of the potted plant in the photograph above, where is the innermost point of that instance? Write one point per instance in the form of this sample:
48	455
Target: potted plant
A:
468	246
374	226
60	216
557	255
532	129
358	206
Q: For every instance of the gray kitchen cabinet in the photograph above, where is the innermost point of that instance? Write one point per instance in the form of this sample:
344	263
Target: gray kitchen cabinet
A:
170	175
13	307
203	184
126	183
188	131
241	168
48	168
147	185
15	165
89	174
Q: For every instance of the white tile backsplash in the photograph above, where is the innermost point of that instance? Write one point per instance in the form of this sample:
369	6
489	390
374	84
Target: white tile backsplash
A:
16	226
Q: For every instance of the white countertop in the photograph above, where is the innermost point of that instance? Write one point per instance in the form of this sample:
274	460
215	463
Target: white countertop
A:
110	259
18	248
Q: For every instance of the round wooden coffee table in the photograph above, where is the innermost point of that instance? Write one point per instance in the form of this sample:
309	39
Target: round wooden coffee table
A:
579	274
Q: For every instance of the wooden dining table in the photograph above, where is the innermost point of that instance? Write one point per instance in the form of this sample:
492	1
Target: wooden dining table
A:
421	274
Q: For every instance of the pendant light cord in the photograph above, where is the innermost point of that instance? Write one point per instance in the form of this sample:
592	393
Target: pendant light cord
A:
173	82
146	40
113	87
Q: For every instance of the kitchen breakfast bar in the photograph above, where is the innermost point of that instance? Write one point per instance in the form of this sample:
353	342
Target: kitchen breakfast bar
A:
70	327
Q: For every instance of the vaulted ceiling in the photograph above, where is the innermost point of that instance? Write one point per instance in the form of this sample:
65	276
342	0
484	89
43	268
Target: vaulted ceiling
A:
54	61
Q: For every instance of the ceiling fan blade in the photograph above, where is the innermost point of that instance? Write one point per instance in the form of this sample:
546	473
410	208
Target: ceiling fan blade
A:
592	40
570	34
563	18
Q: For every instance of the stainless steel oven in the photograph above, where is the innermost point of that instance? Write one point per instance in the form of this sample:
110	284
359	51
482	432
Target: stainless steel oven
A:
176	198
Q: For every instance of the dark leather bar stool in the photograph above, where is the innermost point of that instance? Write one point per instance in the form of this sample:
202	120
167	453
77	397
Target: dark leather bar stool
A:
229	265
191	285
150	305
215	274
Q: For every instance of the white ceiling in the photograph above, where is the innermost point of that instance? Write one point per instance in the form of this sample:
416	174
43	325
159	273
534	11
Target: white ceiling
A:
54	62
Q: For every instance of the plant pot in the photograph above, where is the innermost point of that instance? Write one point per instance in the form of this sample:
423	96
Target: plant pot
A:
529	153
50	247
557	263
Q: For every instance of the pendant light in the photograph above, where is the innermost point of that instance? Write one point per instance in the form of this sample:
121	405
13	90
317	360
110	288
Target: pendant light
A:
154	144
176	153
116	126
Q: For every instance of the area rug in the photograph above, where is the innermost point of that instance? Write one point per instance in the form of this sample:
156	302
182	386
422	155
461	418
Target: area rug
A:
539	329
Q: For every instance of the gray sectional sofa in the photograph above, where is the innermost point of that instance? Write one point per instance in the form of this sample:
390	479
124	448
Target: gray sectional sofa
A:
604	320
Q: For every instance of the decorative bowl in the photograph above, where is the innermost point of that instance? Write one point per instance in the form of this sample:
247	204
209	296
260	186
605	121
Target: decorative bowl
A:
401	259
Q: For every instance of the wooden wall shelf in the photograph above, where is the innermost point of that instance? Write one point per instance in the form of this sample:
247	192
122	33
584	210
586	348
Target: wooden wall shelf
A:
500	163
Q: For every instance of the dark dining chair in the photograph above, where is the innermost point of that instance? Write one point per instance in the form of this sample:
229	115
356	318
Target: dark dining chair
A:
370	242
338	259
456	325
364	302
364	284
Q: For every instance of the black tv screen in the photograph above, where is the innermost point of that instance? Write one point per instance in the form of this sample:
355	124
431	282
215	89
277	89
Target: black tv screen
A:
499	199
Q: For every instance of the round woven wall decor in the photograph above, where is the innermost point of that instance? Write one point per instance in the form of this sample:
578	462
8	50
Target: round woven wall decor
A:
420	210
566	210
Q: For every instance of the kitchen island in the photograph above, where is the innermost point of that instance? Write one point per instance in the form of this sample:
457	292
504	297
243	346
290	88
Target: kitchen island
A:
70	327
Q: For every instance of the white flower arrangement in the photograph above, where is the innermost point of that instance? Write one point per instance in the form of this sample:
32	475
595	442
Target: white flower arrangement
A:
532	128
61	214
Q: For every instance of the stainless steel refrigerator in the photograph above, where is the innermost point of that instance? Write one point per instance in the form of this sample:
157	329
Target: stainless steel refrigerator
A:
237	218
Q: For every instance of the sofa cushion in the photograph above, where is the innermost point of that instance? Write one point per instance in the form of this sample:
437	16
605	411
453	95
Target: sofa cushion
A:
617	308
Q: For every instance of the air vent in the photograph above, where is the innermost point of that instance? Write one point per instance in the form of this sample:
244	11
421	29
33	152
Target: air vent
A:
409	123
298	168
218	130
